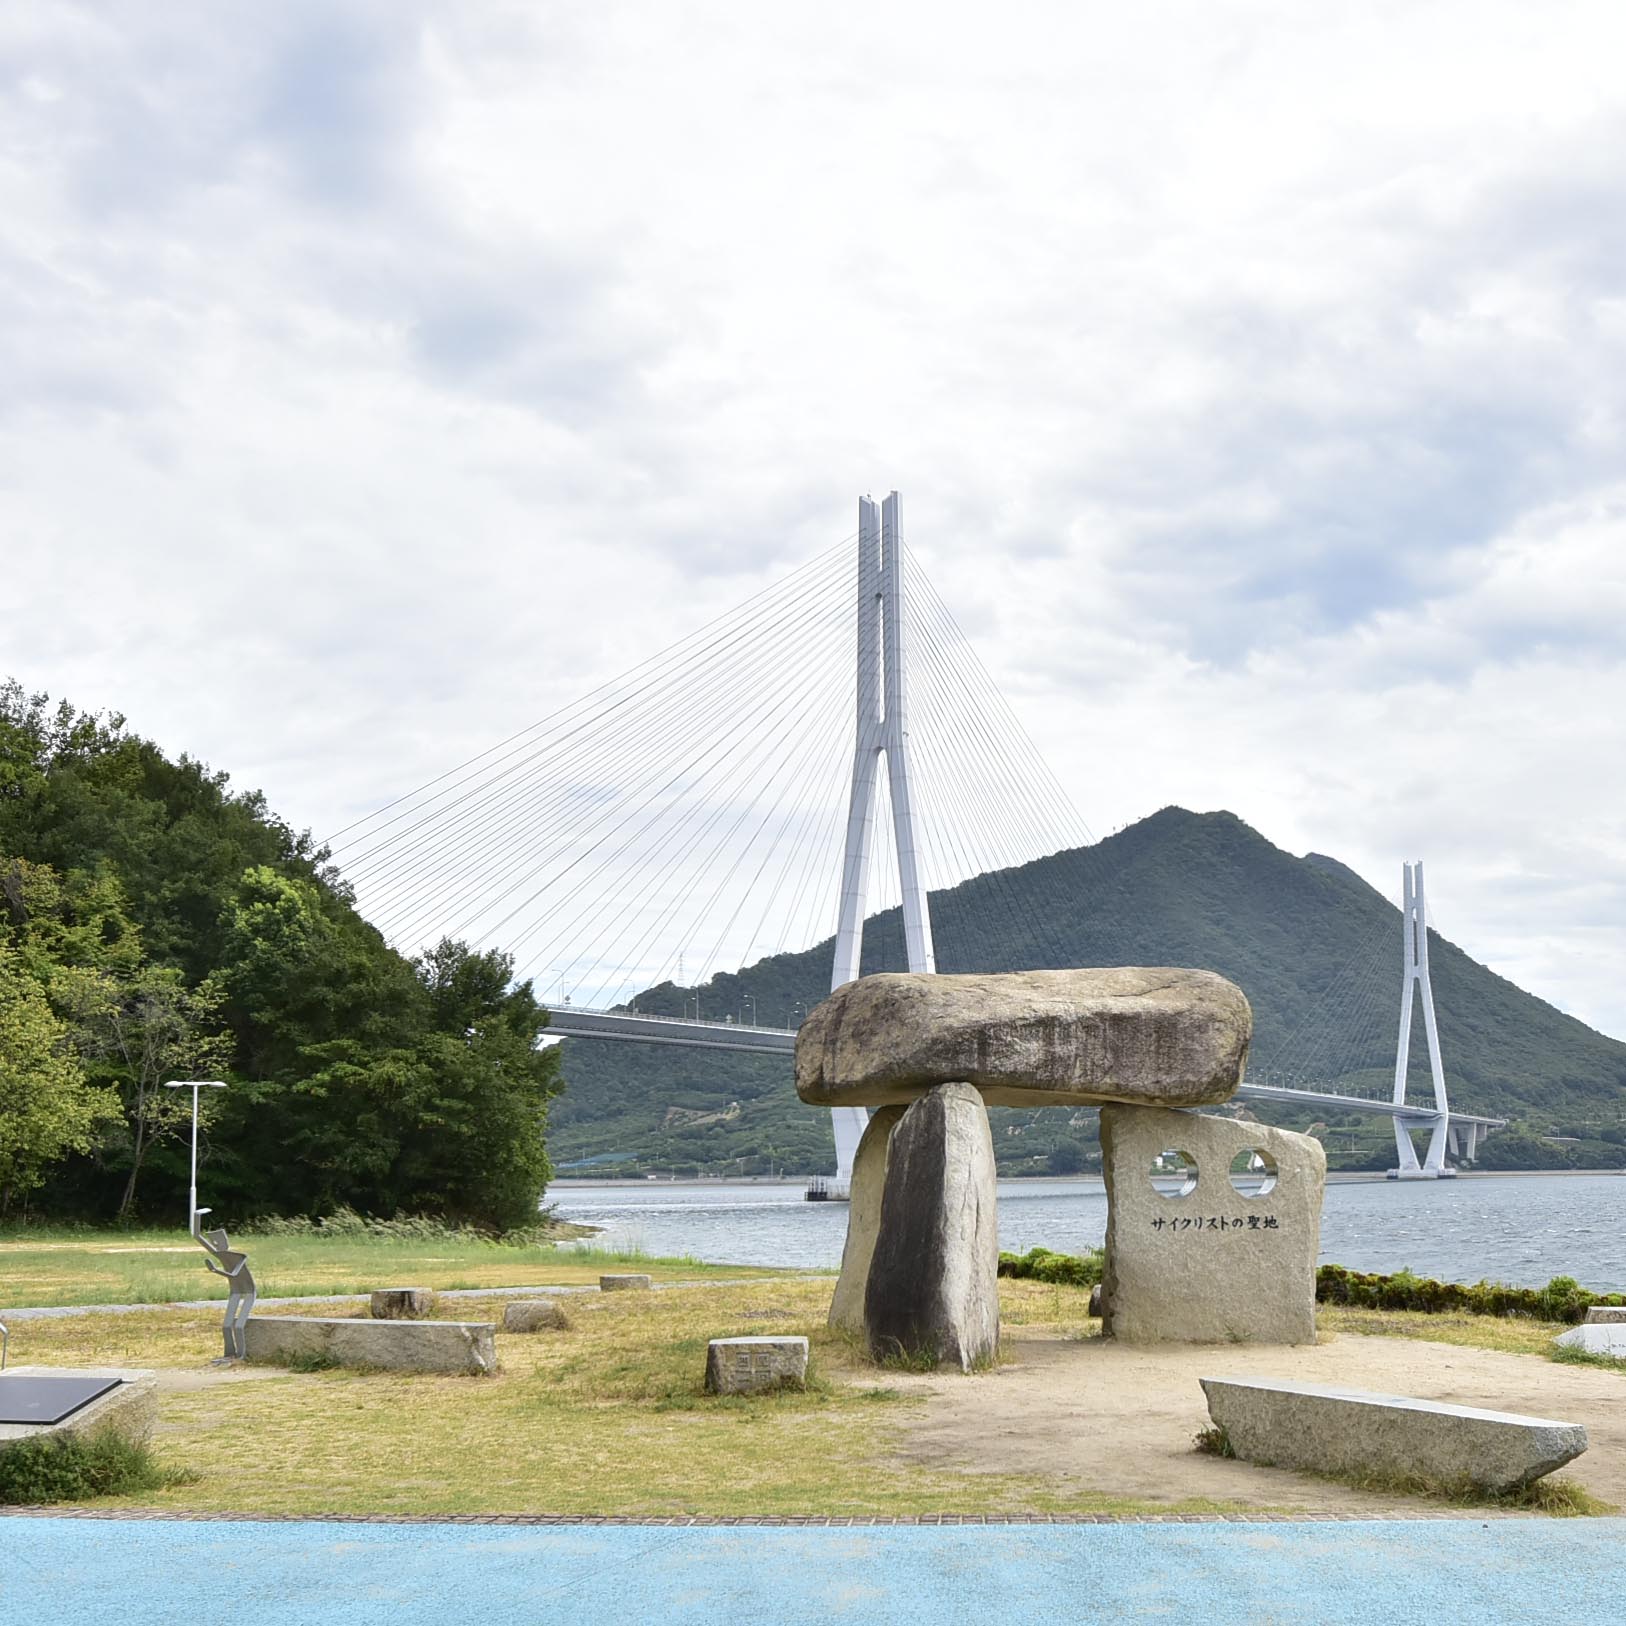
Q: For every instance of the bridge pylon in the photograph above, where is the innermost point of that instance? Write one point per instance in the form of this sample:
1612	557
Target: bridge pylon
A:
882	730
1415	984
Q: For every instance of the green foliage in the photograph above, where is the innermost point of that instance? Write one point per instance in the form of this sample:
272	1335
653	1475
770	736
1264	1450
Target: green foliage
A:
1213	1441
1562	1299
75	1468
47	1106
178	929
1064	1269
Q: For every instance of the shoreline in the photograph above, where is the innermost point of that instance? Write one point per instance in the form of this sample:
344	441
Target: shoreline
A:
1334	1177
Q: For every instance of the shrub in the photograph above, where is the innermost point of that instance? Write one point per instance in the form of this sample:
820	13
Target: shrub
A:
1065	1269
1562	1299
74	1468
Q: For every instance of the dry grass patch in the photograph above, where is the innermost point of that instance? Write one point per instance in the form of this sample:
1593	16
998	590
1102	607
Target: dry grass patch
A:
609	1417
1516	1335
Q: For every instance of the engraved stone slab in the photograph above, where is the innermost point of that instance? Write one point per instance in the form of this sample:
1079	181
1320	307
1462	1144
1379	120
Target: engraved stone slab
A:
863	1220
933	1288
1160	1035
1189	1258
403	1346
534	1315
1603	1315
622	1284
124	1398
401	1303
1335	1430
748	1366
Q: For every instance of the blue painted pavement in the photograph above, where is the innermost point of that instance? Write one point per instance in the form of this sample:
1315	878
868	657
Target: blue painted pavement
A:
87	1572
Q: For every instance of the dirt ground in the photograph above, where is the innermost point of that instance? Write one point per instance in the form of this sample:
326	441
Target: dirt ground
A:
1120	1420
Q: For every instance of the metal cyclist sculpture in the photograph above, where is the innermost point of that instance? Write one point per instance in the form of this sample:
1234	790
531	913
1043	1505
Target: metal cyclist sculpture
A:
223	1259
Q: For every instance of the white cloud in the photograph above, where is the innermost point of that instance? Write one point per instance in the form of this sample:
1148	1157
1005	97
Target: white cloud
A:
378	376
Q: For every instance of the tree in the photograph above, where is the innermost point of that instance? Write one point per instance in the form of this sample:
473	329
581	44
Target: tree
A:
47	1107
140	1031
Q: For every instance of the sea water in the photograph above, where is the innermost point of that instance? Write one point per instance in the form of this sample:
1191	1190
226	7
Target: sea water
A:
1521	1229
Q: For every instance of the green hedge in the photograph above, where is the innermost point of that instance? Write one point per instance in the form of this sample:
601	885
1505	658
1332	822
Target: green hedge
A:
1041	1265
1562	1299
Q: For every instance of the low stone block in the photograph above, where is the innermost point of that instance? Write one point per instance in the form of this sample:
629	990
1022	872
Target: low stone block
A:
131	1408
1604	1315
402	1303
863	1220
748	1366
534	1315
933	1288
1211	1265
1341	1431
1606	1338
1159	1035
401	1346
622	1284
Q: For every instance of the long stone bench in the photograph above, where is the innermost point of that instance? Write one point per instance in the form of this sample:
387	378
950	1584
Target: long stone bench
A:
1342	1431
1606	1338
402	1346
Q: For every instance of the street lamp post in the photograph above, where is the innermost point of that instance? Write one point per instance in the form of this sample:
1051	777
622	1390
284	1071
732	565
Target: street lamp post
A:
751	1000
194	1085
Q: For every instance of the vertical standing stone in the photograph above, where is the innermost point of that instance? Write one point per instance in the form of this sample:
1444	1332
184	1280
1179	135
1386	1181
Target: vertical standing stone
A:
1213	1265
863	1221
933	1287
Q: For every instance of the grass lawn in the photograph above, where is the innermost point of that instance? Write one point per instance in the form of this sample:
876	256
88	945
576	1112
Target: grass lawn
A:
41	1267
606	1418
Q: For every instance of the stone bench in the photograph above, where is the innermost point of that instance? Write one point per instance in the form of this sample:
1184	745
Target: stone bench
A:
1279	1424
398	1346
1604	1315
401	1303
748	1366
1606	1338
622	1284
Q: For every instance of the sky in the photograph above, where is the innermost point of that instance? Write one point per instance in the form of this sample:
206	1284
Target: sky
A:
375	378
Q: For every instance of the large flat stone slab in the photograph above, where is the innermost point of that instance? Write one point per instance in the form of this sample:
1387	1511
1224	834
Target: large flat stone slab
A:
1353	1431
751	1366
1163	1036
1606	1338
130	1406
468	1347
1208	1263
933	1290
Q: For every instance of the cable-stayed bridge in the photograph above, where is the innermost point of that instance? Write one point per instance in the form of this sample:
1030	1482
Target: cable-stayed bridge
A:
726	802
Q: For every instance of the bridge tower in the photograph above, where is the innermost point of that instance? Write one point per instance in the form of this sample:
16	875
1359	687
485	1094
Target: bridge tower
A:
882	730
1415	984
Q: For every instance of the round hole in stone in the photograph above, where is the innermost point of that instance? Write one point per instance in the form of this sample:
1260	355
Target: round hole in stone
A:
1253	1172
1174	1173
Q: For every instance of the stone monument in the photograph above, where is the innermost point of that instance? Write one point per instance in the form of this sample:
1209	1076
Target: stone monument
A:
918	1275
1199	1254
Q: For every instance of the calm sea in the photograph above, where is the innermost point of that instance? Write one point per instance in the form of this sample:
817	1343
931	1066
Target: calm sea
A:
1523	1229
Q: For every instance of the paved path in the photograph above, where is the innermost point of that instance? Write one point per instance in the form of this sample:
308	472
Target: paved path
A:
53	1312
79	1572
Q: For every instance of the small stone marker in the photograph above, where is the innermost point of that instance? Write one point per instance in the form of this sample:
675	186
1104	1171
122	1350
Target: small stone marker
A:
1212	1266
1149	1034
1606	1338
622	1284
1604	1315
401	1303
933	1288
748	1366
533	1315
1332	1430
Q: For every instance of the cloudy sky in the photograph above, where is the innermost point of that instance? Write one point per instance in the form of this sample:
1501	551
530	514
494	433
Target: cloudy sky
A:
376	377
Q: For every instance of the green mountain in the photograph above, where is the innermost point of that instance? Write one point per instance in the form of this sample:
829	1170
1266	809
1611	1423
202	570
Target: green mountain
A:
1316	949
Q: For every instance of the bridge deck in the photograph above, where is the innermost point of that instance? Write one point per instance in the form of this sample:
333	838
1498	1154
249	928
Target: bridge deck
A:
574	1022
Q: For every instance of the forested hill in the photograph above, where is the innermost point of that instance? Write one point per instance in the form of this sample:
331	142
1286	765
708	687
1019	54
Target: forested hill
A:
157	924
1316	949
